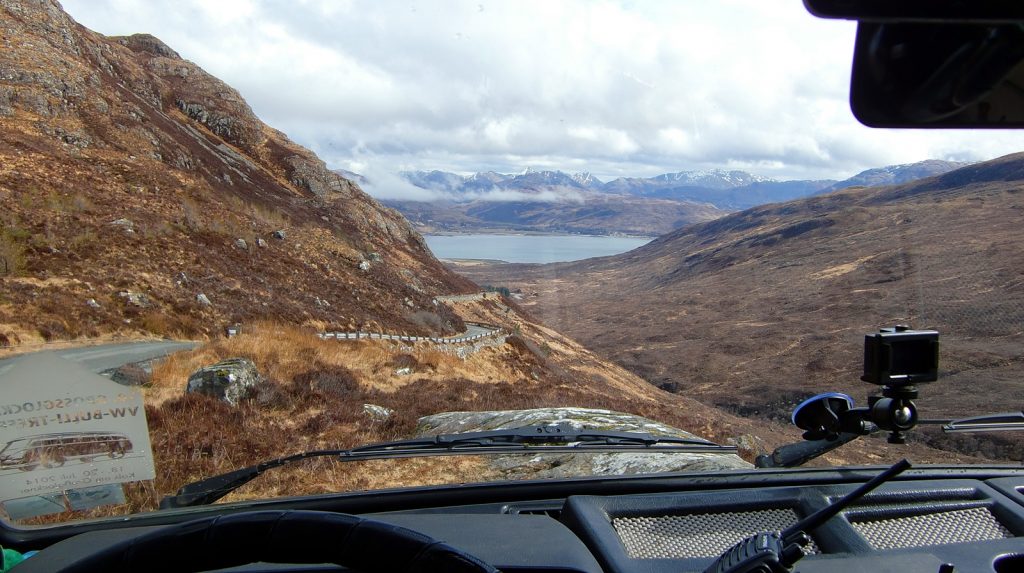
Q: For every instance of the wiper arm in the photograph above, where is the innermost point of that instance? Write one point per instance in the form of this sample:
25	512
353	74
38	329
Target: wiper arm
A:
1006	421
793	455
547	438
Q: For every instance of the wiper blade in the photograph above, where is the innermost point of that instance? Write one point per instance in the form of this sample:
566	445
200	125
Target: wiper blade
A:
546	434
540	438
1006	421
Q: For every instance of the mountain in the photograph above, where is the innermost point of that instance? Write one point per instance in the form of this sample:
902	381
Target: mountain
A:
543	202
596	215
435	180
532	179
737	190
485	181
759	309
897	174
142	195
587	180
528	180
555	202
727	190
711	179
741	197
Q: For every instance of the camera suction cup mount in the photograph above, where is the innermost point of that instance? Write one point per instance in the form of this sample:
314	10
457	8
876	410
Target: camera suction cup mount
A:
825	416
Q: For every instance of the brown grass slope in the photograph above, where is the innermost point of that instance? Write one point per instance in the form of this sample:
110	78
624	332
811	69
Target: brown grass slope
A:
314	390
95	130
758	309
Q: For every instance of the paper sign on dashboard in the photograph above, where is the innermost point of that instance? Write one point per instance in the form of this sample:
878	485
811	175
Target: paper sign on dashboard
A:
65	428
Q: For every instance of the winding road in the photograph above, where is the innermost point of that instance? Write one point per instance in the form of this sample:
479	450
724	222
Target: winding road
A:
109	356
105	357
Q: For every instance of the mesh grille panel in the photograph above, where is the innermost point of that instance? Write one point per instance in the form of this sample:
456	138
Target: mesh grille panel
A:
960	526
696	535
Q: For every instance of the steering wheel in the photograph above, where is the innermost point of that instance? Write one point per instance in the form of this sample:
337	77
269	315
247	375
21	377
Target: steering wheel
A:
302	537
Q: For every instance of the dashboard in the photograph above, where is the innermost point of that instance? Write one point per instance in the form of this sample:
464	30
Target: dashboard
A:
934	520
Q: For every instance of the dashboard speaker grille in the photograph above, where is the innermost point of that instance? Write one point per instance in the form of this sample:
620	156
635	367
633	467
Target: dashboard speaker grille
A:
696	535
958	526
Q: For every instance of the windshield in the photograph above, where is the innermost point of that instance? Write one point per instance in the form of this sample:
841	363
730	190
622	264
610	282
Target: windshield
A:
235	232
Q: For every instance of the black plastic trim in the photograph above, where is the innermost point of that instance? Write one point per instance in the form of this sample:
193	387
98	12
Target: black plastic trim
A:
498	493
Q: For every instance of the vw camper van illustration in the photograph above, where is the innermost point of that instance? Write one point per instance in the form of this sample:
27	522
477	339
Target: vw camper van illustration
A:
54	450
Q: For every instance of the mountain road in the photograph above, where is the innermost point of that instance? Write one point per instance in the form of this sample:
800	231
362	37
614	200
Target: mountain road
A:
109	356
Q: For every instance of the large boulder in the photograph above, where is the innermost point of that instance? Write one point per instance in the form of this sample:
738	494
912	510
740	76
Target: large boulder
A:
377	413
134	374
561	465
231	380
137	299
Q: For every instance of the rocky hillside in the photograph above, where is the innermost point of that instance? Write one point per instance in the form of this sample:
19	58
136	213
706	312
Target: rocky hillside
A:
142	195
761	308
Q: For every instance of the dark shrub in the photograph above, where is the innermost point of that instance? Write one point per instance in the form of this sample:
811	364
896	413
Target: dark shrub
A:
333	380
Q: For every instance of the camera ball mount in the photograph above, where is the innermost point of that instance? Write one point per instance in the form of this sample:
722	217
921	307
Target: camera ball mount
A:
895	412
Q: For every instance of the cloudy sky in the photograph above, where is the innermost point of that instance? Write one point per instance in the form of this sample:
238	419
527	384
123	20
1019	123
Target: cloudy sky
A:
617	88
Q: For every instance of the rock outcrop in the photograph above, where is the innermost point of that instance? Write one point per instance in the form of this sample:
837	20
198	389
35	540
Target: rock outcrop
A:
231	380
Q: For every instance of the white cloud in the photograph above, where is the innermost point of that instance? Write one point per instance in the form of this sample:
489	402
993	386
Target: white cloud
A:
612	87
546	195
383	183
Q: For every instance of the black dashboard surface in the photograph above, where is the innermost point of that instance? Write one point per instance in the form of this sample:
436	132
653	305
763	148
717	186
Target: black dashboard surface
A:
905	526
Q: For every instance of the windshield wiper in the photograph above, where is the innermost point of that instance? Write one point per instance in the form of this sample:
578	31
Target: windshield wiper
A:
1005	421
541	438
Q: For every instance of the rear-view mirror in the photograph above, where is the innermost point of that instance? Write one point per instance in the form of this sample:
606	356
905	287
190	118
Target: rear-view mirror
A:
919	10
917	74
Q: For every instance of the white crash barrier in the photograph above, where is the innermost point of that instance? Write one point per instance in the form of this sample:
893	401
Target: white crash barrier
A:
491	330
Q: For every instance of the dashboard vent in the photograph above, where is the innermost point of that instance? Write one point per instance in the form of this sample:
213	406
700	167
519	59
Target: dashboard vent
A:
943	528
550	510
696	535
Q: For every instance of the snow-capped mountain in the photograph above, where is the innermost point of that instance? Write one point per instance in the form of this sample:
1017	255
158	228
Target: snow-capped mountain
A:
489	201
711	179
671	184
725	189
587	179
533	179
489	177
527	180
